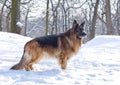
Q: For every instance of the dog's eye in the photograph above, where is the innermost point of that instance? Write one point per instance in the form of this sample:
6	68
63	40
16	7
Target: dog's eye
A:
81	29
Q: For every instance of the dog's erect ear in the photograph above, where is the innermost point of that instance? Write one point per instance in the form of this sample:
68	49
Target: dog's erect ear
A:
74	24
82	24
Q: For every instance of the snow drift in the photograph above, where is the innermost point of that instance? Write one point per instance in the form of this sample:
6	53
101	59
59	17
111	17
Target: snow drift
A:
97	63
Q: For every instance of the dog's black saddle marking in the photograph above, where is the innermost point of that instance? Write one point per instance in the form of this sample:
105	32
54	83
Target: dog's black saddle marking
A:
50	40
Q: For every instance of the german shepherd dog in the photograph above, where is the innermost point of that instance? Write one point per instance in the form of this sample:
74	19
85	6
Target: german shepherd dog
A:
61	46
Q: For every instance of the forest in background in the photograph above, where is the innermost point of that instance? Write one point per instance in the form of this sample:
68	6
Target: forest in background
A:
35	18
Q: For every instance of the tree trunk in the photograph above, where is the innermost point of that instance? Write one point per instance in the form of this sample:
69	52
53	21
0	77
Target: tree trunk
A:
118	17
7	28
47	16
108	18
92	30
26	19
15	16
2	14
54	15
65	21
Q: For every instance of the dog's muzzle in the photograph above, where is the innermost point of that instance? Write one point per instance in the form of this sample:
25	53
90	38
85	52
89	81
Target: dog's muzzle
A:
81	35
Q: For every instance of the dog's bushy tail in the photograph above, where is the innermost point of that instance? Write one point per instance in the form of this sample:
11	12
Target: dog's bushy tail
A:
19	66
16	67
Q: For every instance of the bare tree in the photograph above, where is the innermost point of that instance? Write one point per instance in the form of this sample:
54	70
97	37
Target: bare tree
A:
15	16
47	17
2	14
26	19
94	18
118	16
27	5
7	27
66	7
55	16
110	30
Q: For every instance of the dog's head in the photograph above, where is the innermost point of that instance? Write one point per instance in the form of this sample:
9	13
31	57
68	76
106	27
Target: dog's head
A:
78	29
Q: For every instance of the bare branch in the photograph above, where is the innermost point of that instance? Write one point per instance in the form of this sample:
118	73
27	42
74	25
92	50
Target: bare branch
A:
101	19
24	3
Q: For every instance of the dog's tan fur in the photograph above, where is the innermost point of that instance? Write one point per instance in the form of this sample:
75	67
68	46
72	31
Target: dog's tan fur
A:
68	44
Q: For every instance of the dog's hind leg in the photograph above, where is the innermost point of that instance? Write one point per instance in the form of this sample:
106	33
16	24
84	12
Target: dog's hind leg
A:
29	67
34	59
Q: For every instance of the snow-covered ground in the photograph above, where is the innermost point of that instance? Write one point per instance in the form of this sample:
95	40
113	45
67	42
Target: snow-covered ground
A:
97	63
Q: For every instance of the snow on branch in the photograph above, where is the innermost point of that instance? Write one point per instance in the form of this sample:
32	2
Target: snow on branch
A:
19	24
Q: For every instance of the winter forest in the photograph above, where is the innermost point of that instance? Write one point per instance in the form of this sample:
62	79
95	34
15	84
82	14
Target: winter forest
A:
35	18
98	59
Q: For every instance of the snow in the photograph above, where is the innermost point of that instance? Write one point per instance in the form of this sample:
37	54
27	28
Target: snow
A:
97	63
19	24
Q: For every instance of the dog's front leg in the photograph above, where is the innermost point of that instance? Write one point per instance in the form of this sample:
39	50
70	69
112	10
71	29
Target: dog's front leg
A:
63	61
